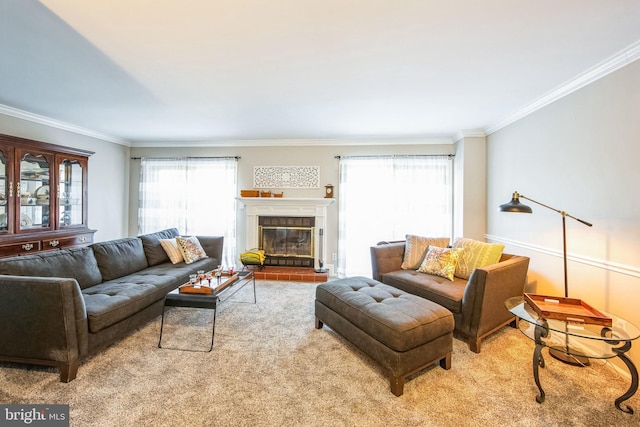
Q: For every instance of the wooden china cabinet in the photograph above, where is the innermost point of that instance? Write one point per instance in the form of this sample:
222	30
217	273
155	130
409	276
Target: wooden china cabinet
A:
43	196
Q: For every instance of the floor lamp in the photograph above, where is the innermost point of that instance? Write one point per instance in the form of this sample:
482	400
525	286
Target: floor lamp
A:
515	206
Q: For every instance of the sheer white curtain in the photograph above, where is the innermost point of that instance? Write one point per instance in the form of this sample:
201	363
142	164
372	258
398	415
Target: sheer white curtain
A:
195	195
387	197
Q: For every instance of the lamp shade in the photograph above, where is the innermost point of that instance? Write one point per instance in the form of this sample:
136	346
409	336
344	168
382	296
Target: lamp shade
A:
515	206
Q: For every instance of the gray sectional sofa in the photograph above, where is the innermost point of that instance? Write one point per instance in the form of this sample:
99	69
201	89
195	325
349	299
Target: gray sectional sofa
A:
59	307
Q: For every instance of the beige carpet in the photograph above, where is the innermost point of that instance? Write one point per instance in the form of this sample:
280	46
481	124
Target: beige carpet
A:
271	367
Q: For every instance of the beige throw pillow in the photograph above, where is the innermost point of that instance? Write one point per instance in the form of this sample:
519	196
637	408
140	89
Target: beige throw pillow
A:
476	254
441	261
416	247
170	246
191	249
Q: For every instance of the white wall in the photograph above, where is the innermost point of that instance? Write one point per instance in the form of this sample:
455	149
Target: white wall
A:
470	185
108	173
322	156
579	154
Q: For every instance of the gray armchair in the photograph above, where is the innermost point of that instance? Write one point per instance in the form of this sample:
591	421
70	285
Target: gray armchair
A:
477	304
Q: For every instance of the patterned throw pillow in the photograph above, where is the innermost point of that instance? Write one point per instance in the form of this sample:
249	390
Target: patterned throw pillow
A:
174	253
441	261
191	249
416	247
476	254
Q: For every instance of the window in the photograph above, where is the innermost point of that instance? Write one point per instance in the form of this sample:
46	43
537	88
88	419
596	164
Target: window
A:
387	197
195	195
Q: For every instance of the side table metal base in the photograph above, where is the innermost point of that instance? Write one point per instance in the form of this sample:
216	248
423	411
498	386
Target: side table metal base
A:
620	352
576	344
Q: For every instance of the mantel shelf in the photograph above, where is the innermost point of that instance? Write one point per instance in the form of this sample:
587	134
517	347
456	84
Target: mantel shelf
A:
280	201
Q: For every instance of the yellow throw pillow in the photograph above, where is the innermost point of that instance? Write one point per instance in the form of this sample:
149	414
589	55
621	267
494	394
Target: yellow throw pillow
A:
441	261
191	249
476	254
170	246
416	247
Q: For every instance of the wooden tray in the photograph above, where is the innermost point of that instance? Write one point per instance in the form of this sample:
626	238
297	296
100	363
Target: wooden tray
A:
224	283
567	309
190	289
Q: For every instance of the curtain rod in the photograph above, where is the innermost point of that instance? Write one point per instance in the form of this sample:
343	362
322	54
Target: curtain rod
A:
188	157
396	155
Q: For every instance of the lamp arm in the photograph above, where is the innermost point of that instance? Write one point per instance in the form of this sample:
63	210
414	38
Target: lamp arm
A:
563	213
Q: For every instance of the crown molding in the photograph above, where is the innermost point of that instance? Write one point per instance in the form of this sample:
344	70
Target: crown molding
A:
35	118
608	66
469	133
296	142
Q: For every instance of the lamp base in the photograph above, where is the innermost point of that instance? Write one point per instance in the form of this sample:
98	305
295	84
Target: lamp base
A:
559	353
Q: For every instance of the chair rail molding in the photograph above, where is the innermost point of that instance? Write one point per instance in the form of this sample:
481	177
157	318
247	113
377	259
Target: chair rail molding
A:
593	262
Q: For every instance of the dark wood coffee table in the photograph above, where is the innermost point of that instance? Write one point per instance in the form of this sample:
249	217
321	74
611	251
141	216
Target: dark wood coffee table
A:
208	301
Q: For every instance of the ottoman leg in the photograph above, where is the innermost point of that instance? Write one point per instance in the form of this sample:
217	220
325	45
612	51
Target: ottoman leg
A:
445	362
318	323
397	385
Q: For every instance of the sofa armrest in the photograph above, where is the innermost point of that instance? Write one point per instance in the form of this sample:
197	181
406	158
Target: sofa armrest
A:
483	307
212	245
386	257
44	321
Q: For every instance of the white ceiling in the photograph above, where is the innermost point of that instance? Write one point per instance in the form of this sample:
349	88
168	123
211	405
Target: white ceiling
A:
142	71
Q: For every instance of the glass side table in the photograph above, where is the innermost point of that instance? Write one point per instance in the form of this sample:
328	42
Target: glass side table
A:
577	339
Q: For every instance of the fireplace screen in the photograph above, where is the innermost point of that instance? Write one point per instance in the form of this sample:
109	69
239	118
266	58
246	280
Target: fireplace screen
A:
287	241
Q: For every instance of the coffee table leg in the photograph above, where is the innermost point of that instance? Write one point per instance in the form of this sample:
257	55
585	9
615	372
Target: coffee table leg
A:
254	289
213	330
541	331
161	326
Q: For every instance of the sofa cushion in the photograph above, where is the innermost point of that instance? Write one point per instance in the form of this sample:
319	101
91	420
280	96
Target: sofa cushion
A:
440	261
172	249
476	254
434	288
152	247
118	258
191	249
77	263
416	248
115	300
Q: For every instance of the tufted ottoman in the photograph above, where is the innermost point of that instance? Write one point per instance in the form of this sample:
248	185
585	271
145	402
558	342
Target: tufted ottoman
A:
403	332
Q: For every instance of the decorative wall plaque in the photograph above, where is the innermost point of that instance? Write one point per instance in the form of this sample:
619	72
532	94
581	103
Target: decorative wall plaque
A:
286	176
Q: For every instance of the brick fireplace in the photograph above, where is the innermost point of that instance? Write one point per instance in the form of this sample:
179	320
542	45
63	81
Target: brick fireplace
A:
293	225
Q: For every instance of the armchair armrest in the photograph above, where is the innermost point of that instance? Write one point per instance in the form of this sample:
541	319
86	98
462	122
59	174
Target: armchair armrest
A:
483	309
43	321
386	257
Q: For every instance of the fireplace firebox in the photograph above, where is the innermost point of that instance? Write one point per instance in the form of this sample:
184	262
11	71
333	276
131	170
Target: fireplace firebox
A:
287	241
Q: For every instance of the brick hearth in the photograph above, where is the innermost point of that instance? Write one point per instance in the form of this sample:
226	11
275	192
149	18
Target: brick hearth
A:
289	273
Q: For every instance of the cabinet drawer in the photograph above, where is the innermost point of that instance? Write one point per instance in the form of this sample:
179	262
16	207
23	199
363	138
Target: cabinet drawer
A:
66	242
22	248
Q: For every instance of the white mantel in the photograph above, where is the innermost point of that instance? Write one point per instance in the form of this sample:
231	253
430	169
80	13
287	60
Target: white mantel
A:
282	206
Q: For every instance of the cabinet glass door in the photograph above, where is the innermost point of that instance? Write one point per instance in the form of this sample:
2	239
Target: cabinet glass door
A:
70	193
4	193
34	192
